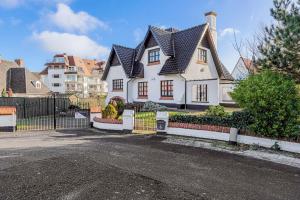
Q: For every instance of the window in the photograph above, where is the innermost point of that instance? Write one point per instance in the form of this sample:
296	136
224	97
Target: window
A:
56	84
38	85
71	86
118	84
199	93
58	60
202	55
55	75
143	89
166	88
153	56
71	78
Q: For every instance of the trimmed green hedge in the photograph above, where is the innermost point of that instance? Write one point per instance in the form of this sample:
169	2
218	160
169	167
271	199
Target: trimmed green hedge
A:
240	119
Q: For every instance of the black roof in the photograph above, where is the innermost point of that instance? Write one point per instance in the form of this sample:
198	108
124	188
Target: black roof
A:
179	45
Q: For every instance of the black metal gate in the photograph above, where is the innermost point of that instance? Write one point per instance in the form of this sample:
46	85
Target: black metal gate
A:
50	113
144	121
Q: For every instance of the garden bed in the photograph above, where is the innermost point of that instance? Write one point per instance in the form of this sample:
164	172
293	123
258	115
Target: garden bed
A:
108	121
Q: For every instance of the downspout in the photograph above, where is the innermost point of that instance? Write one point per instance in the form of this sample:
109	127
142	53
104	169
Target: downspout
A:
185	86
131	72
127	89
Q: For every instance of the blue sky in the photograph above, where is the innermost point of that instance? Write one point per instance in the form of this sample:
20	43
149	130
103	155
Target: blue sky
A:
36	29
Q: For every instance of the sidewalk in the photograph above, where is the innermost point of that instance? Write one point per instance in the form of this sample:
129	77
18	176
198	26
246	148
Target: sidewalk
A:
280	157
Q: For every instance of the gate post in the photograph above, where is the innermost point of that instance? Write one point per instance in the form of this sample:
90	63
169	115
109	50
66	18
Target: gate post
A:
128	121
162	119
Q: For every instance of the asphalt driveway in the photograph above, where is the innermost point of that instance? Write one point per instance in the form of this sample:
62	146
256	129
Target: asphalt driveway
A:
89	164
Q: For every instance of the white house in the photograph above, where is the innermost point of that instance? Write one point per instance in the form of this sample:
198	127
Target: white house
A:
176	68
243	68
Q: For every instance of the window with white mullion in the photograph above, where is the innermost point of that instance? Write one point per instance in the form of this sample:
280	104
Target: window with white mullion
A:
199	93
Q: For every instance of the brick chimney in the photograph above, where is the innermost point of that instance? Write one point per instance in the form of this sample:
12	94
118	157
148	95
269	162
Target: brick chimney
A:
211	19
20	62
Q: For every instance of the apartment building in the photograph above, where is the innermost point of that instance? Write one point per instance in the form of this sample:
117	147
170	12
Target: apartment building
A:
67	74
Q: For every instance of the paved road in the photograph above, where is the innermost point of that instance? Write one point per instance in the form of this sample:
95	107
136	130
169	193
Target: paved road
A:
97	165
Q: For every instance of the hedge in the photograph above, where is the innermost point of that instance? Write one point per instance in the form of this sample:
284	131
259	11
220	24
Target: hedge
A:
240	119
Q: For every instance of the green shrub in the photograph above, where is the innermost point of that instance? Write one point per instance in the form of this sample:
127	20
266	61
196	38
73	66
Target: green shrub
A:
239	119
110	112
152	106
199	119
216	111
272	100
119	104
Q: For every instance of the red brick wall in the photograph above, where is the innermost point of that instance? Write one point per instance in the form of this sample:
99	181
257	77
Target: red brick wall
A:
108	121
200	127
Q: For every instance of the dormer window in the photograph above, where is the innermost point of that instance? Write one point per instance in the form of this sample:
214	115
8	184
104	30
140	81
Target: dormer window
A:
153	56
202	55
38	85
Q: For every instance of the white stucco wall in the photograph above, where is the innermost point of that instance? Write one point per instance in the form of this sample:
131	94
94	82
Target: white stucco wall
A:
240	71
116	72
44	79
198	134
224	91
207	73
151	76
8	120
196	71
61	80
107	126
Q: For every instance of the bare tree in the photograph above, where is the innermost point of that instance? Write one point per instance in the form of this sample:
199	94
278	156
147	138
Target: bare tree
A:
248	48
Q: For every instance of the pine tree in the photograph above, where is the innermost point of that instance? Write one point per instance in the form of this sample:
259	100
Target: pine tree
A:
280	48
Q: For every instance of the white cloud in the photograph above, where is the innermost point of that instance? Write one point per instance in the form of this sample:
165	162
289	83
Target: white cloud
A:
16	3
229	31
79	45
66	19
10	3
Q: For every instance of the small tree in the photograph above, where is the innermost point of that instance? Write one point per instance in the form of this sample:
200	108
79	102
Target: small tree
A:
272	99
3	93
218	111
110	112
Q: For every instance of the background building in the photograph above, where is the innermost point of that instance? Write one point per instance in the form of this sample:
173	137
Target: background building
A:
23	83
67	74
243	68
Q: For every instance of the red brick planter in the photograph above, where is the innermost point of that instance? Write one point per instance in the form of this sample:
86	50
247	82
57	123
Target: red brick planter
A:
200	127
108	121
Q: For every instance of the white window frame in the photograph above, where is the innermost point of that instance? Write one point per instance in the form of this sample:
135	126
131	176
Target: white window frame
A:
202	55
200	93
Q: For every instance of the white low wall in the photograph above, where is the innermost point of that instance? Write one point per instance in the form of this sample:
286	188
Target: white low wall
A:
268	143
263	142
107	126
198	134
7	120
93	115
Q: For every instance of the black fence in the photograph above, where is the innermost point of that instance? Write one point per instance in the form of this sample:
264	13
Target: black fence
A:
48	113
40	106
